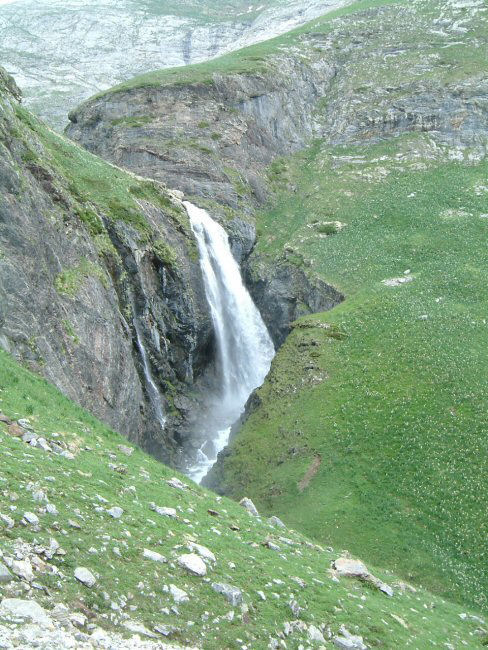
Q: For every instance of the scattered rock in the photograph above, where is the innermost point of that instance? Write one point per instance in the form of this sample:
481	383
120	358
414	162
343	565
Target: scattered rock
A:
5	575
8	521
179	596
139	628
276	521
348	641
249	506
177	484
23	610
233	595
115	512
346	566
193	564
128	451
152	555
202	551
165	512
15	431
315	635
85	576
350	568
397	282
30	518
23	569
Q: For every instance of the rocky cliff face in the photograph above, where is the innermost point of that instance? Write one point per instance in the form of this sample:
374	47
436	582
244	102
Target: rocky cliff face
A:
96	265
218	133
214	141
63	52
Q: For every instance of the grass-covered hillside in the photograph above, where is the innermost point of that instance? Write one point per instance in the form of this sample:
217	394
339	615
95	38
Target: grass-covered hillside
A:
372	429
79	497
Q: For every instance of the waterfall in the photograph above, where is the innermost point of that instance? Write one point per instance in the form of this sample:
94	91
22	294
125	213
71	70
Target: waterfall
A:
152	389
244	347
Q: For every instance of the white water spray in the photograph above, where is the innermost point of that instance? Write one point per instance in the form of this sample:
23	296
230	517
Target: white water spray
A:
244	347
152	389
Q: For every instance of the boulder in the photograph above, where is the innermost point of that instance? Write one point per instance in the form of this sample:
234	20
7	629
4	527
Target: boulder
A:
152	555
193	564
179	596
5	575
23	569
115	512
348	641
249	506
23	610
85	576
233	595
202	551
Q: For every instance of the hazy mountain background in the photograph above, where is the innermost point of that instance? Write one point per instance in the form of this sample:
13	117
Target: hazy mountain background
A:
63	51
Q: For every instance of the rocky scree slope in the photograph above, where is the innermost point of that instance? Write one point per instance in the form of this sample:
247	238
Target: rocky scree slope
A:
377	434
101	546
94	264
63	52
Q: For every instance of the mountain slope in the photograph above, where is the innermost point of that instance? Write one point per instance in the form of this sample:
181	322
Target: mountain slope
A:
50	528
98	272
372	125
61	52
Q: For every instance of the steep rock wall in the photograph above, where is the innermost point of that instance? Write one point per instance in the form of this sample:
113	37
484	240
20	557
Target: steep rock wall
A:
79	269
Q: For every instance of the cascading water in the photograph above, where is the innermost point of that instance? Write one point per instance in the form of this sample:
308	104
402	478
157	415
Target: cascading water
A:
244	346
151	387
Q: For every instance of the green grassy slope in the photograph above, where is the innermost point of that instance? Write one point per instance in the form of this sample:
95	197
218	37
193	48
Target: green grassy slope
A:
398	412
101	476
392	399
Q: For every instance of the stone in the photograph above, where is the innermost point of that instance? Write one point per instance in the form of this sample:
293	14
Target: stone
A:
382	586
43	444
152	555
15	431
276	521
61	614
249	506
315	635
85	576
139	628
23	569
233	595
165	512
348	641
202	551
24	610
115	512
8	521
29	436
397	282
351	568
24	423
193	564
128	451
177	484
165	630
5	575
179	596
